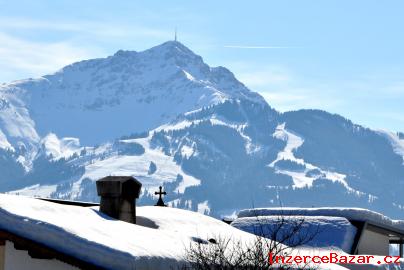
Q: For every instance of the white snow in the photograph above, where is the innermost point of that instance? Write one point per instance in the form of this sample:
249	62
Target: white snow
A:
249	146
188	181
203	208
231	215
15	119
36	190
187	151
300	178
4	143
359	214
327	232
138	166
176	126
189	76
158	241
61	148
292	143
193	111
164	81
17	129
173	203
396	142
333	224
115	165
186	123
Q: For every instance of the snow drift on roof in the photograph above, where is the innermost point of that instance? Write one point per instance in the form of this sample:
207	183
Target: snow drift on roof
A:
358	214
88	235
326	232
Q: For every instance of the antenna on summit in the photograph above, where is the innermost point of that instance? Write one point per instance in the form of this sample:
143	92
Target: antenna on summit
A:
175	34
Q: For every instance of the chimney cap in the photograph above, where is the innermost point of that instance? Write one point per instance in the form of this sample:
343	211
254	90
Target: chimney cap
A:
116	186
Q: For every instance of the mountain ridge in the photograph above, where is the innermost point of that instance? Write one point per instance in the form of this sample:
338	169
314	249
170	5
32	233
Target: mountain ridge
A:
167	118
106	87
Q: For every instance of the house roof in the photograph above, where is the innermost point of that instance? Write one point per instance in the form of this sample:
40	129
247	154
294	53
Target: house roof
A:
352	214
158	241
320	231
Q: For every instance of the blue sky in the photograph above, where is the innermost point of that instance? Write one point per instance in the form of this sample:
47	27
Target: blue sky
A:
342	56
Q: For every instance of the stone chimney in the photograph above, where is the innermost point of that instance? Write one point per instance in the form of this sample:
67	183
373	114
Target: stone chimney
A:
118	197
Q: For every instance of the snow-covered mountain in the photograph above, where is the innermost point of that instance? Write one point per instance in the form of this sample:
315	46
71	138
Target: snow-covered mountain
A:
167	118
141	90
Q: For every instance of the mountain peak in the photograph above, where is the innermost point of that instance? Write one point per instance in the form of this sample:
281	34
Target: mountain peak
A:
169	54
172	45
164	81
167	49
176	52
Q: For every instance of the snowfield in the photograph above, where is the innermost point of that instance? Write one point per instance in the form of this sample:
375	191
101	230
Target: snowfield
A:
61	148
138	166
301	178
43	191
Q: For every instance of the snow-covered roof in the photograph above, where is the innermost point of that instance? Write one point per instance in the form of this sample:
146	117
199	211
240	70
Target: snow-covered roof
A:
352	214
159	241
88	235
326	232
